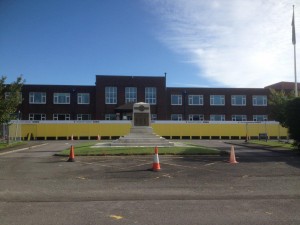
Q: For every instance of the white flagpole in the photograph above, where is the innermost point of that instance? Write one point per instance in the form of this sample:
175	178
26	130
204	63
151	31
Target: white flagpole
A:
296	86
294	43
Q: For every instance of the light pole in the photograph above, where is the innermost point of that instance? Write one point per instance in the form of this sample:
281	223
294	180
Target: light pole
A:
17	126
246	140
266	129
20	124
184	104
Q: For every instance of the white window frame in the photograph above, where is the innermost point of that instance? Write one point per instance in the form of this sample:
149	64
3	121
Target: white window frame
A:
256	100
176	117
32	116
110	116
264	117
111	95
238	100
153	116
195	99
82	116
82	97
215	102
176	99
37	97
130	94
57	97
7	94
192	117
65	115
150	95
239	117
214	117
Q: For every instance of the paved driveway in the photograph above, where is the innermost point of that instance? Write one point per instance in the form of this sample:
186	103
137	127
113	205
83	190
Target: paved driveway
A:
39	188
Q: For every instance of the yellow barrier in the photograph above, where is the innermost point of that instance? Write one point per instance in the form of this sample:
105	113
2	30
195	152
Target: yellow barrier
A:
77	131
173	130
220	131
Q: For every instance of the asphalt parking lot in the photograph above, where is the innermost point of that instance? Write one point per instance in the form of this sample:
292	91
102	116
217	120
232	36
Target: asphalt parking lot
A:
39	188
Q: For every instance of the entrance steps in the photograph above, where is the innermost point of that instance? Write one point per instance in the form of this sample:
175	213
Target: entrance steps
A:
142	136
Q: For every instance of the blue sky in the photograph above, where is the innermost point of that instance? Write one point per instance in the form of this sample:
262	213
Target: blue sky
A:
198	43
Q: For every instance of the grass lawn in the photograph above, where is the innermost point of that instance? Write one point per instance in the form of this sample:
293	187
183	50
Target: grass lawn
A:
273	144
88	150
4	145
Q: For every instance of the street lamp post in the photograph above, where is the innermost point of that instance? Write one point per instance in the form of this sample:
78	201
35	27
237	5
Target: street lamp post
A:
17	126
184	104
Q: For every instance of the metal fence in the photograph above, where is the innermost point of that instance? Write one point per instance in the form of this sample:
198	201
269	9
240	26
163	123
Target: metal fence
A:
10	133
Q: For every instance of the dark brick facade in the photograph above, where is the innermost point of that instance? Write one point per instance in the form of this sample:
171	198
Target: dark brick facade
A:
206	109
163	109
121	82
50	108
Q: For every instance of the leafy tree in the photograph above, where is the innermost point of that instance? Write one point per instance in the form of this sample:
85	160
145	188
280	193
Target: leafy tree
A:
293	119
278	101
10	98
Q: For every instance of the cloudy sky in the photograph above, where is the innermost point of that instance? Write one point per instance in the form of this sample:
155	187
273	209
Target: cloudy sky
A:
199	43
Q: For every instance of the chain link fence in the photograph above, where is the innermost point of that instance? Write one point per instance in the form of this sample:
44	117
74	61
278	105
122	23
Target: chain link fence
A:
11	133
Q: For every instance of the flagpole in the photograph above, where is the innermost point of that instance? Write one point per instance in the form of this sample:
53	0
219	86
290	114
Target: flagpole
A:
295	71
294	43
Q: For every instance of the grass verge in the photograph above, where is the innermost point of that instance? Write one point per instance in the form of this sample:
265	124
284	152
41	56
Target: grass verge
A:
275	144
4	145
89	150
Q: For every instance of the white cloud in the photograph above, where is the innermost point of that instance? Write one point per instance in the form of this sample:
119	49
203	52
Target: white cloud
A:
237	43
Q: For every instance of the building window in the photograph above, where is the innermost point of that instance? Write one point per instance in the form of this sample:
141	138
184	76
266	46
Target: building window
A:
217	100
259	100
217	117
7	95
195	99
238	100
176	116
239	118
176	99
37	98
130	94
61	98
110	116
37	116
196	117
153	116
58	116
83	116
260	117
150	95
83	98
110	95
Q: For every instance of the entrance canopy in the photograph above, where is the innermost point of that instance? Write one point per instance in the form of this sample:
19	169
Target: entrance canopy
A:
128	107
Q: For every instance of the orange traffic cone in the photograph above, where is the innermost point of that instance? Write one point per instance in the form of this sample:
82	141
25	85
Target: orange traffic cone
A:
232	156
155	165
71	156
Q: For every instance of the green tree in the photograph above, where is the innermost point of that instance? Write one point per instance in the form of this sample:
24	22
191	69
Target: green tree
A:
10	98
278	101
293	119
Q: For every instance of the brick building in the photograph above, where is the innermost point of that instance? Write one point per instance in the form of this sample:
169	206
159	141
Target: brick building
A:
112	98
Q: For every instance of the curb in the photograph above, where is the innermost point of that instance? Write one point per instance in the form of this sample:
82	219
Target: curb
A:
22	149
271	149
